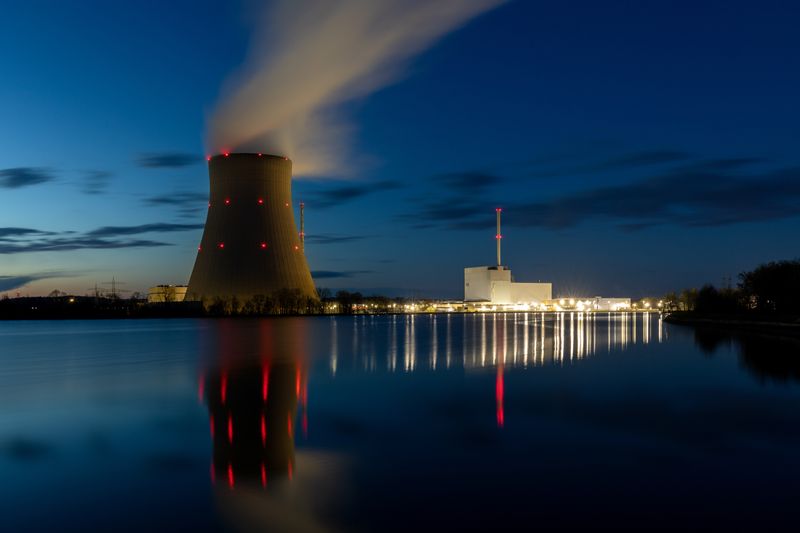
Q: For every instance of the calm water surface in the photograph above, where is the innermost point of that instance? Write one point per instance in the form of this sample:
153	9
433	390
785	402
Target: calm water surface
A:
394	422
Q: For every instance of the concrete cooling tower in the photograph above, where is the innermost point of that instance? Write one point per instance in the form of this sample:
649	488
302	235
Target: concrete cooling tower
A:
250	244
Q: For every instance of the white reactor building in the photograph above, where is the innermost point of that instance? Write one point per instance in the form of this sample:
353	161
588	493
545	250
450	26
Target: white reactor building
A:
494	285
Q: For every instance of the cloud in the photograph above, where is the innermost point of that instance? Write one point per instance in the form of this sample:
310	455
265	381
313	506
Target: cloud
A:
8	283
25	240
116	231
467	181
78	243
7	232
330	238
15	178
642	158
178	198
309	58
23	449
712	192
96	181
167	160
550	168
346	193
331	274
189	204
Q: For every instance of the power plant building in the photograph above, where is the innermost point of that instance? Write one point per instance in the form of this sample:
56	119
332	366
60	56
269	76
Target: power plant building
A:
250	244
494	285
166	293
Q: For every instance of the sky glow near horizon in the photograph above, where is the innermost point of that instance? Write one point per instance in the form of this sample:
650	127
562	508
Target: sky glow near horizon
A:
635	149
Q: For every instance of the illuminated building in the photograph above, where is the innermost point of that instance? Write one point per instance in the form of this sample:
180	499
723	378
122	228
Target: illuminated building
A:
494	285
166	293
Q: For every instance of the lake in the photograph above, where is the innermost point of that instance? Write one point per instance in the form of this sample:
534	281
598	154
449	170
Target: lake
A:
386	423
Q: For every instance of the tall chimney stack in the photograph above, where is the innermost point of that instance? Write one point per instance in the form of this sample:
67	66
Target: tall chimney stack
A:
499	236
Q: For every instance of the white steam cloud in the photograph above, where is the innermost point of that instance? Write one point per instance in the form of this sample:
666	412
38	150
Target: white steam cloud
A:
310	56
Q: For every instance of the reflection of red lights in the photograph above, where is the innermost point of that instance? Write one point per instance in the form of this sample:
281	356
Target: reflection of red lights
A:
263	431
289	424
297	382
230	429
211	421
223	388
290	470
230	475
263	475
265	383
499	393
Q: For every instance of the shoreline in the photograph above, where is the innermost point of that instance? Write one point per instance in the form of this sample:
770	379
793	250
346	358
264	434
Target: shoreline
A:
782	325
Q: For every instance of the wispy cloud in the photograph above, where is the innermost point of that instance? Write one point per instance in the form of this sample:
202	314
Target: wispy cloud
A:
96	181
167	160
188	205
177	198
15	178
14	232
615	163
331	238
8	283
467	181
26	240
77	243
341	194
333	274
116	231
700	192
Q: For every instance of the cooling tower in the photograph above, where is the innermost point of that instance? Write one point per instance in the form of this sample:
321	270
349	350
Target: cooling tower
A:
250	244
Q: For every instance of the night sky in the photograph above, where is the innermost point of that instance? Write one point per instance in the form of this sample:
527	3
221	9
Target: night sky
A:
636	147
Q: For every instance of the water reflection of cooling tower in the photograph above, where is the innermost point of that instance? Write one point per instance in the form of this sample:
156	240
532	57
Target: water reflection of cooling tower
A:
252	414
250	245
254	379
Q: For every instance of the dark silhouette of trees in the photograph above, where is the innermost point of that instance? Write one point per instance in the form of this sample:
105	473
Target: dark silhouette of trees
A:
773	287
711	300
347	301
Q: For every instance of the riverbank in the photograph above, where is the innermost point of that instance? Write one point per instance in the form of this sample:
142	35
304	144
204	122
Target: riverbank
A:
784	325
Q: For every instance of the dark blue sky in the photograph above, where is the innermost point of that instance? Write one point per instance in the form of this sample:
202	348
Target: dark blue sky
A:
637	147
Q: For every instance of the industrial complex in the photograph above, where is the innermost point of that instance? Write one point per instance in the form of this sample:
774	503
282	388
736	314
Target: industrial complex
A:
251	247
495	286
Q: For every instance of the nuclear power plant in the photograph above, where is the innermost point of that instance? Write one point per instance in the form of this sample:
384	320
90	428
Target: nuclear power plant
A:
250	244
494	285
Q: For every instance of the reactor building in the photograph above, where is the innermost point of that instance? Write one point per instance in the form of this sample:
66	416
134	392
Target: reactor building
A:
494	285
250	244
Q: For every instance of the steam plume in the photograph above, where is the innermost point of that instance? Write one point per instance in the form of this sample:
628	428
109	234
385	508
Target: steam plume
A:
309	57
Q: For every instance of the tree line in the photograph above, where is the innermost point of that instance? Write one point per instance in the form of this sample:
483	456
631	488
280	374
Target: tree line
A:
771	288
